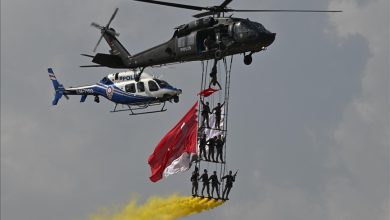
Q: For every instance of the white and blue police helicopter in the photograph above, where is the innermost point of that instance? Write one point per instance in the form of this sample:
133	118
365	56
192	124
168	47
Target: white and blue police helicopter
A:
122	88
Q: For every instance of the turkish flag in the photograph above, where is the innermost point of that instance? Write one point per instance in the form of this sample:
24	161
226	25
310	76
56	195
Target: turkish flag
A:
178	143
207	92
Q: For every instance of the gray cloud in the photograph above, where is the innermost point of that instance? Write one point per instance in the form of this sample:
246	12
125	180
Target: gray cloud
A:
308	123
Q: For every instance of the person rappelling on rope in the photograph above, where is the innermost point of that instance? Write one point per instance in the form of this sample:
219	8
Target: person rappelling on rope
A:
205	113
194	180
218	112
213	76
229	184
208	43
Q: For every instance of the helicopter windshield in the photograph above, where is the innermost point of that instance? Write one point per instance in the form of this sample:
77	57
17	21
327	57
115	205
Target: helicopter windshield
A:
161	83
242	27
254	25
106	81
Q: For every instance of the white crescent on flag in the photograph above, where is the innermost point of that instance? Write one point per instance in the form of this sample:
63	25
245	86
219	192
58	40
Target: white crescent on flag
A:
181	164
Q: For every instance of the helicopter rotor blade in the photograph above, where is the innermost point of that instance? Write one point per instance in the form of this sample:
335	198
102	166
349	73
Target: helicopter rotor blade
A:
250	10
100	39
112	17
98	26
225	3
85	66
203	14
191	7
222	8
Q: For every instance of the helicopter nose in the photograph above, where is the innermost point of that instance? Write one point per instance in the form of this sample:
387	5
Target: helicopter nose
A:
269	38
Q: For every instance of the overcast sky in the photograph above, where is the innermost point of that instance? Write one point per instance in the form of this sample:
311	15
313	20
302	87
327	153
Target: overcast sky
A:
308	121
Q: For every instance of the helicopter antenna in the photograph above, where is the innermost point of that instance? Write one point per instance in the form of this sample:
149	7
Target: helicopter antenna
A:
222	8
105	29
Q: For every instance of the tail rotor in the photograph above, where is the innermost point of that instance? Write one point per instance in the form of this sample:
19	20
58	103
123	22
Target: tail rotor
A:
105	29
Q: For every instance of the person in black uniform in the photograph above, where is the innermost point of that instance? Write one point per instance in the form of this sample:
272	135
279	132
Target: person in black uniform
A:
194	180
211	144
205	180
218	112
219	146
213	76
205	113
202	147
208	43
214	184
229	184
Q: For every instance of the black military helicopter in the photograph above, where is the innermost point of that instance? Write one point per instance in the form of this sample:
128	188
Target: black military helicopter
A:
211	36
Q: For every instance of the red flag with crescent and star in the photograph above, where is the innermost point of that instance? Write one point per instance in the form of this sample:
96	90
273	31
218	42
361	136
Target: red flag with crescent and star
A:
172	154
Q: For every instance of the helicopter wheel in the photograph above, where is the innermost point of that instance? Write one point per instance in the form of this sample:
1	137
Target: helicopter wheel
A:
248	59
176	99
97	100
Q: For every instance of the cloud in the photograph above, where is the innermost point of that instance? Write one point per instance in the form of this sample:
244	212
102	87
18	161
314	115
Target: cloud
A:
275	202
362	137
283	107
356	186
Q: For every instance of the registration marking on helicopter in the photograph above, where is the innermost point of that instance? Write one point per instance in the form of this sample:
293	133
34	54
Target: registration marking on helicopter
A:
84	91
185	49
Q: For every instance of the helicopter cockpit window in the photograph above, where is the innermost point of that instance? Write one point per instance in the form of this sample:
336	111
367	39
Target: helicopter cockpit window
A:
152	86
130	88
242	27
140	87
161	83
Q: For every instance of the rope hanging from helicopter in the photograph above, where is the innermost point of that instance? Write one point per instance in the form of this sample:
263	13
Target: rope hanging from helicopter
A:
228	69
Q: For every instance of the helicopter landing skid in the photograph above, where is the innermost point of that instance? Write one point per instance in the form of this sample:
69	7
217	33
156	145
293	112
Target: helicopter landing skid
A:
134	109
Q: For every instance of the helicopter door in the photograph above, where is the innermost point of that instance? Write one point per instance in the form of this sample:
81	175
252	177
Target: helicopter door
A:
153	88
140	88
205	37
130	88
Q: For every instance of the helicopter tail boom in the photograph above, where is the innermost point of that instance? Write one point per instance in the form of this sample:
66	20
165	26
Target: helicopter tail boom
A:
109	60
